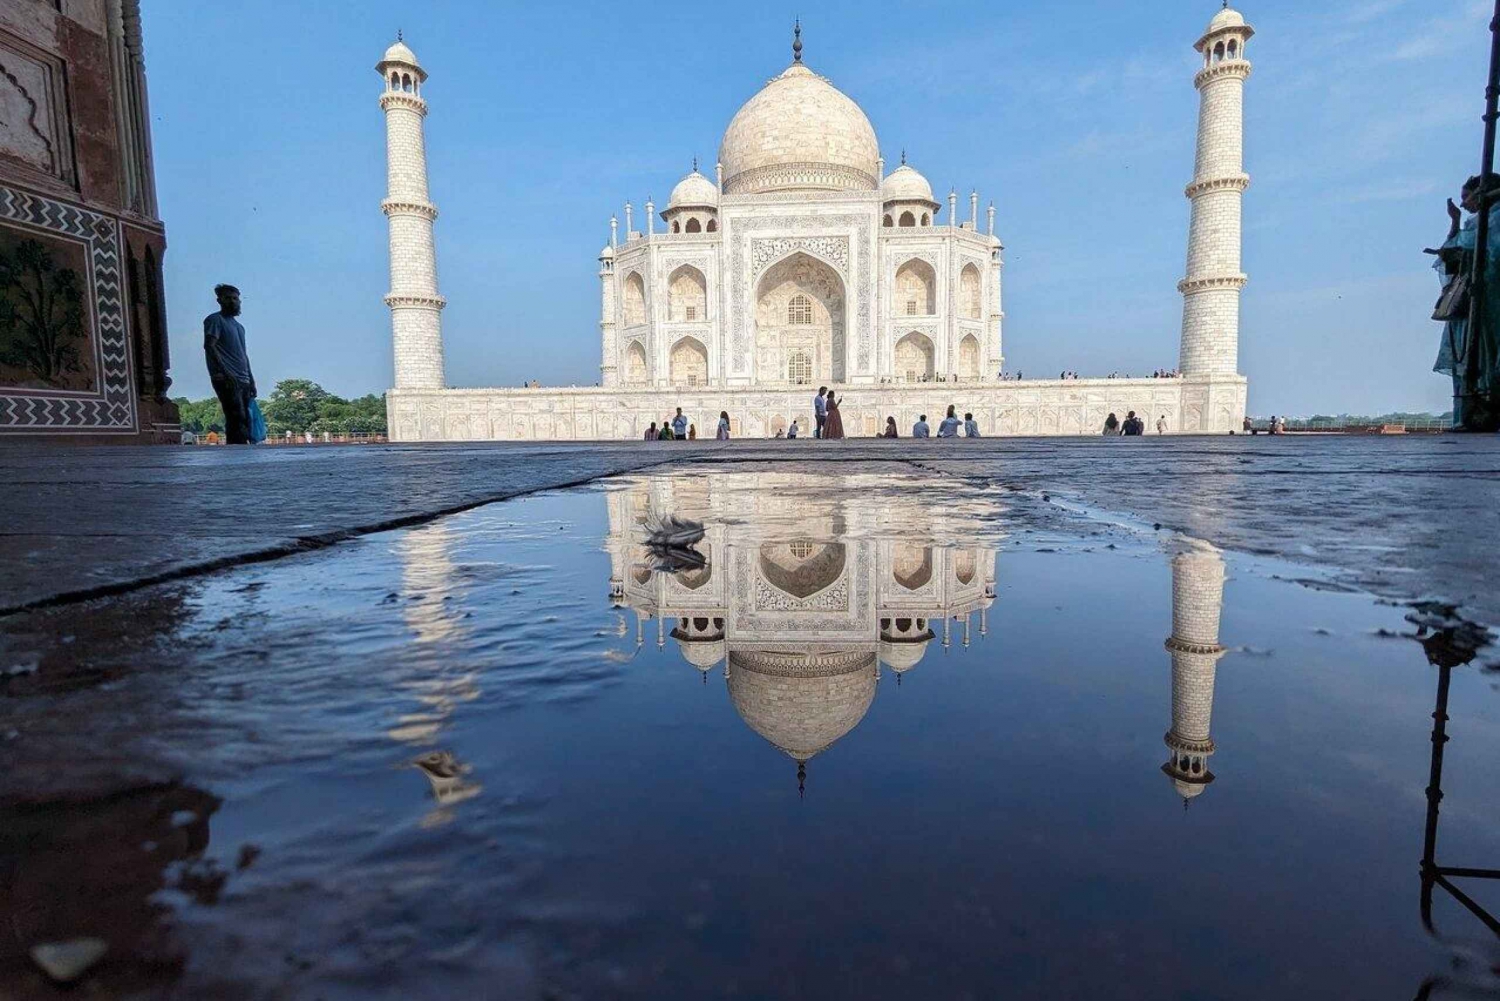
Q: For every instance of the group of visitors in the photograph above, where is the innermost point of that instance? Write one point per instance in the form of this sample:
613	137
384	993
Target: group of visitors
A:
828	421
947	428
1276	425
1131	426
1166	373
1007	377
678	428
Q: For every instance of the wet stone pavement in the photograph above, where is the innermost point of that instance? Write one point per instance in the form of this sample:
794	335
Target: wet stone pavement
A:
957	724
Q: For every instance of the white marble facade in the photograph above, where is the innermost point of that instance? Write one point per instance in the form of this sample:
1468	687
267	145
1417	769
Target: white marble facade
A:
803	262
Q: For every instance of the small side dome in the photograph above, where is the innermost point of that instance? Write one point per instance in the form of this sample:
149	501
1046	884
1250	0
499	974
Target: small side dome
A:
1226	18
906	183
607	253
400	53
694	190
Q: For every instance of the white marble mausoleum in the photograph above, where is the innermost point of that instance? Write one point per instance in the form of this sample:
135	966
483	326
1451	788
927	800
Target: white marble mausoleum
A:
802	262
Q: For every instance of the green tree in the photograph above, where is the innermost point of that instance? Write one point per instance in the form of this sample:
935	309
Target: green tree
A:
200	416
293	406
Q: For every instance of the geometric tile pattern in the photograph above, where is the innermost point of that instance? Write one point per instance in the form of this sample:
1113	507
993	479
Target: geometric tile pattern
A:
111	407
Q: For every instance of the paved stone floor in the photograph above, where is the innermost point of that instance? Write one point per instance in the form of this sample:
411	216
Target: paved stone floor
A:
1405	517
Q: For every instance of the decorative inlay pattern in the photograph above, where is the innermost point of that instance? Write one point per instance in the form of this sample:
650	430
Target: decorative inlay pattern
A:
833	250
112	407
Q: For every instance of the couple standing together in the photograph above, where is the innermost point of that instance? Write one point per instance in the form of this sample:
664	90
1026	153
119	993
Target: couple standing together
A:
830	423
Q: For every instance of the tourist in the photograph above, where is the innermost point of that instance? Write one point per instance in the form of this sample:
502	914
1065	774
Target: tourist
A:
791	432
780	433
1161	424
1247	425
1133	425
971	426
679	425
1271	425
1281	425
920	429
651	433
229	364
1111	425
833	426
665	434
820	412
1470	358
723	432
692	432
890	428
949	426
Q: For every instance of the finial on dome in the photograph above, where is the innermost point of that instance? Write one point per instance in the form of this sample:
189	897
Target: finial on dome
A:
903	156
398	35
801	778
797	40
1226	5
695	165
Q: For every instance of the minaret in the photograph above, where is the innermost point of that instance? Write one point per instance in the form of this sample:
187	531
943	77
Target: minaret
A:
608	371
1211	290
416	306
1197	598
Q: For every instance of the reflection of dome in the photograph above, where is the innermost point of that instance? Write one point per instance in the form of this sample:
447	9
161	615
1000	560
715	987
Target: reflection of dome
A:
802	702
1189	790
799	131
902	657
695	190
905	183
702	654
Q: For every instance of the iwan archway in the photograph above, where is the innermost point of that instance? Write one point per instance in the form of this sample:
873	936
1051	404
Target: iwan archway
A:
800	325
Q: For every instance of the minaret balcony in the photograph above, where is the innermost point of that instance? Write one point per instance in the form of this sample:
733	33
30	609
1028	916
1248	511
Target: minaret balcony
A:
398	206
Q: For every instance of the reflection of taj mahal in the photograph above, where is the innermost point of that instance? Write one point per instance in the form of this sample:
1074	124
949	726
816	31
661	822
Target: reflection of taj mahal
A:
801	258
801	624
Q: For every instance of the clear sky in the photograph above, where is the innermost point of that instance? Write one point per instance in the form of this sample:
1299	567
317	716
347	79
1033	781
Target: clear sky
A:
1075	117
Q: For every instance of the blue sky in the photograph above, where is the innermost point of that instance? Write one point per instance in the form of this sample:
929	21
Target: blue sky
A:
1075	117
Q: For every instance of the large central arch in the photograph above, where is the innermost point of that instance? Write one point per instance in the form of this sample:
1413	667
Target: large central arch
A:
800	311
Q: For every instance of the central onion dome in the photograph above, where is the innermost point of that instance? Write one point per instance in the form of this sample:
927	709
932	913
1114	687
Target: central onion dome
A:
799	133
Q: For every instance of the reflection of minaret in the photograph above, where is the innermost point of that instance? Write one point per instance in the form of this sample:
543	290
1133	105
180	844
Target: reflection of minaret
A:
1197	597
436	624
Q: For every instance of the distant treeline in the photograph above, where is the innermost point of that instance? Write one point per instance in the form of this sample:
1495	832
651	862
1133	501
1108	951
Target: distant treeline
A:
295	405
1395	417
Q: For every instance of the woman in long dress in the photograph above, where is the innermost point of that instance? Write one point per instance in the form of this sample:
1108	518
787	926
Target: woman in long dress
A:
723	433
1472	358
835	426
890	428
1111	425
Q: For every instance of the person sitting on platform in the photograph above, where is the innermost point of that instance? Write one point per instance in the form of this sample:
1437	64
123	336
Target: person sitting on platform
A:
949	427
890	428
920	429
971	426
651	433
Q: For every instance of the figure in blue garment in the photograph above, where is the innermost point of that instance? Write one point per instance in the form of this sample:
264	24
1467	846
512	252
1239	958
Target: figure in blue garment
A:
229	364
1471	358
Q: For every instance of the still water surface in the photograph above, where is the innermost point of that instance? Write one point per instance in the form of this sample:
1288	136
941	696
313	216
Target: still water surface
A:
898	738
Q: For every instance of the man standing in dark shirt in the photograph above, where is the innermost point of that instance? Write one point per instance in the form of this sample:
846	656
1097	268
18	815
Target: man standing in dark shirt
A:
229	365
1133	425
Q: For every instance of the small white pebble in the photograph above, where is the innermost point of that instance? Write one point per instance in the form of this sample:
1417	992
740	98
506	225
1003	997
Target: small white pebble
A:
182	818
66	961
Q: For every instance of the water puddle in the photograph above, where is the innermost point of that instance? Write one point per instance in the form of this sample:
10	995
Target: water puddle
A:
897	737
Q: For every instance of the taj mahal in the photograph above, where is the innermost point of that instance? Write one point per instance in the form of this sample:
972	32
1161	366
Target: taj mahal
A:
801	259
